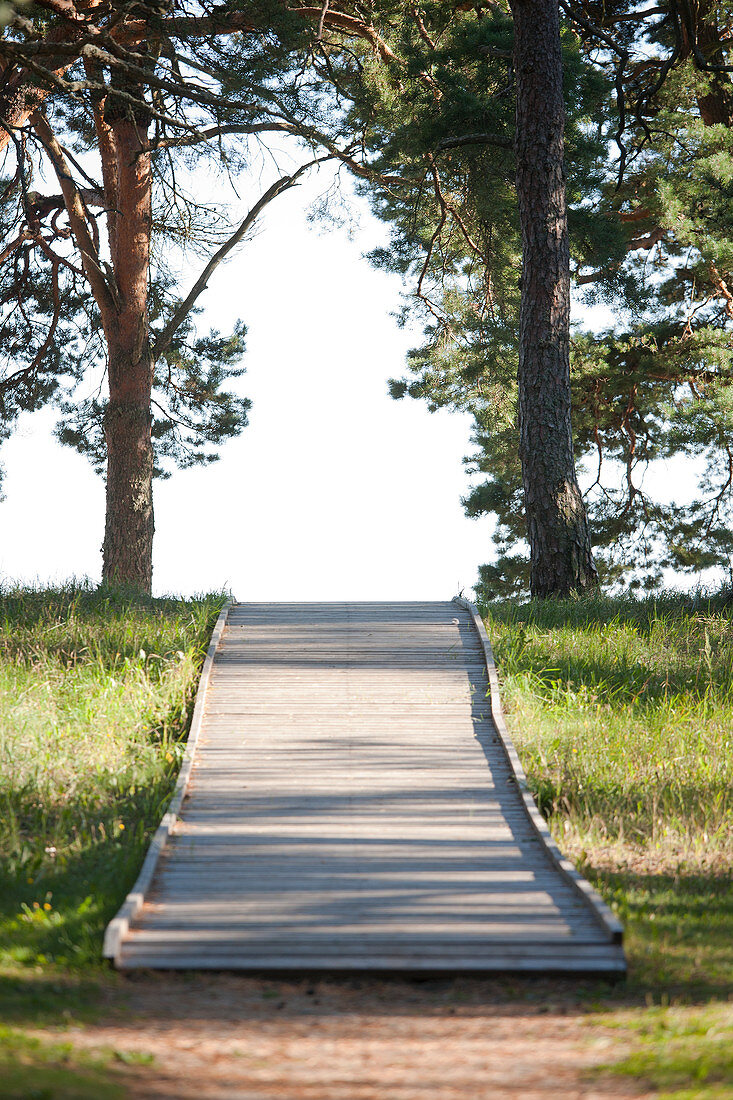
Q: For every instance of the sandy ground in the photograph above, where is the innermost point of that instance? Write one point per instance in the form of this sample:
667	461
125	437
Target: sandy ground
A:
224	1037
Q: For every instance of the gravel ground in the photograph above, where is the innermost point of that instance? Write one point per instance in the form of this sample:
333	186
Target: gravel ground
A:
224	1037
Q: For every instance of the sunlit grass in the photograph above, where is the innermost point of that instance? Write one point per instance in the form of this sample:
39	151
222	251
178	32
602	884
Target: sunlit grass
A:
95	694
622	711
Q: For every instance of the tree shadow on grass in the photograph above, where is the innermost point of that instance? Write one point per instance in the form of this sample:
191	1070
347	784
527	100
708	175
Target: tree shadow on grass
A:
54	907
678	933
617	681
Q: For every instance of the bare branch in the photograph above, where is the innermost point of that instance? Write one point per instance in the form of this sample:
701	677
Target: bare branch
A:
722	289
475	139
42	205
76	213
15	245
183	310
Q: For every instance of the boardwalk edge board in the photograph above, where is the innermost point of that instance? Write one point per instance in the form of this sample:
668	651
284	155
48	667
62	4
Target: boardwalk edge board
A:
119	926
605	917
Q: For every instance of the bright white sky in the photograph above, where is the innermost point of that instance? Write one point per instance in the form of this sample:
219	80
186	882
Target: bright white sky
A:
334	491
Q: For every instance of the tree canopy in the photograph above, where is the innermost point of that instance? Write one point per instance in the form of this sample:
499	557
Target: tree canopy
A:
419	103
648	173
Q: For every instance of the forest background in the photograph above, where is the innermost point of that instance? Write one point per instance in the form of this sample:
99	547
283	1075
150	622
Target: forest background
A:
648	230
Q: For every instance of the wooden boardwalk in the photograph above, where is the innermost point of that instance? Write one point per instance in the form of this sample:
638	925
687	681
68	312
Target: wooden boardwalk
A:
352	806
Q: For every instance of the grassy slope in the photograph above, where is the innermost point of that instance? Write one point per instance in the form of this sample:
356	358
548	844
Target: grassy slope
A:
95	696
623	713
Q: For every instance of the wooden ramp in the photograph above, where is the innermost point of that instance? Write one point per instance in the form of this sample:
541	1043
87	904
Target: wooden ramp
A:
353	806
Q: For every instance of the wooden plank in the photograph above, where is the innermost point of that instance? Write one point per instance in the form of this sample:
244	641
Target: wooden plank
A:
546	961
352	806
169	906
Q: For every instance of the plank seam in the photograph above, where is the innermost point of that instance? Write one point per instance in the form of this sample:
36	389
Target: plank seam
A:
119	926
603	915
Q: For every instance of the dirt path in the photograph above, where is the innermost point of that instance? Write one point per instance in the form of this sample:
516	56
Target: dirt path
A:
224	1037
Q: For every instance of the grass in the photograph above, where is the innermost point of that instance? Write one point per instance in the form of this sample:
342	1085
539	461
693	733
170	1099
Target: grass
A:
36	1070
622	711
680	1051
96	688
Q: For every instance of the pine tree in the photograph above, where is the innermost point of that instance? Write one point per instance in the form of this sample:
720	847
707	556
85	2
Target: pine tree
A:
449	126
655	387
141	87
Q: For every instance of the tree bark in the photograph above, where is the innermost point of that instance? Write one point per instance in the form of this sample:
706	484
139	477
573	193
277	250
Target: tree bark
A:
129	525
716	106
557	525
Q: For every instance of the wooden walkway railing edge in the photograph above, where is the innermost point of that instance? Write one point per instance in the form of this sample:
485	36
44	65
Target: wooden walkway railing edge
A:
119	926
604	916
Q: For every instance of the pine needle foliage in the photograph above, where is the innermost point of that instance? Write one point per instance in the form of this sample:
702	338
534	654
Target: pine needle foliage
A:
648	155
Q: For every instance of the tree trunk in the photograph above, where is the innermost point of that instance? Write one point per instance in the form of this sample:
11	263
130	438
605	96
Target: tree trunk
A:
561	559
121	292
129	525
716	106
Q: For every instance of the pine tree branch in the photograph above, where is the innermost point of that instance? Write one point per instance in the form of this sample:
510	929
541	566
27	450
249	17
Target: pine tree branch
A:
42	205
77	217
74	87
351	24
722	289
283	184
307	133
14	245
67	9
475	139
27	372
611	20
652	238
422	29
683	12
639	215
212	132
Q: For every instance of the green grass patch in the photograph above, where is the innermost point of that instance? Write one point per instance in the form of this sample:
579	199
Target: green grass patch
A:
33	1069
683	1053
96	692
622	711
